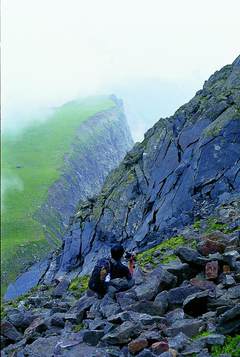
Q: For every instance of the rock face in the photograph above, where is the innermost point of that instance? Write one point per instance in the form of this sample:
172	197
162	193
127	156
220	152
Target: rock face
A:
100	144
186	166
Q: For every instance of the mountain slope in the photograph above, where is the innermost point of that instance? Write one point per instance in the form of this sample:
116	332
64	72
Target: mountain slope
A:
186	165
50	165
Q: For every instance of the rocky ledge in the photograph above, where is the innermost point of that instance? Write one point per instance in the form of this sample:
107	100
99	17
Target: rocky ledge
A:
185	302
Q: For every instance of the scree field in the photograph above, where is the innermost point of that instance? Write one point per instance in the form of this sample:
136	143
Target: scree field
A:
31	163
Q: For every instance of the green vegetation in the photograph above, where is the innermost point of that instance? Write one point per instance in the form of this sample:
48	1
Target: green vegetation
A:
170	244
201	334
78	328
231	347
79	285
197	224
32	162
214	225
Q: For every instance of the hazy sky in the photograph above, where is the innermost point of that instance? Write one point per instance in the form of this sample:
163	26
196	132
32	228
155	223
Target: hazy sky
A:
56	50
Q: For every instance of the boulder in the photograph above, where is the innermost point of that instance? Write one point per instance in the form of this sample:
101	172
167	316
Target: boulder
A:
151	336
234	292
229	322
212	243
10	332
189	327
108	308
146	307
228	280
92	337
196	304
126	298
231	258
180	270
178	342
120	317
137	345
174	315
158	280
122	334
58	320
212	340
81	307
203	284
38	325
161	300
160	347
211	270
176	296
191	257
61	288
21	319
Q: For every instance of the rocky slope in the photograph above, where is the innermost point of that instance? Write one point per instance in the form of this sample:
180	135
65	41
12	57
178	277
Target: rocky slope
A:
175	200
186	304
186	165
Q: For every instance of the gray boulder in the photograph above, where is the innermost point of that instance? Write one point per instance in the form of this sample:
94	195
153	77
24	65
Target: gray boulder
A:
229	322
123	334
188	327
81	307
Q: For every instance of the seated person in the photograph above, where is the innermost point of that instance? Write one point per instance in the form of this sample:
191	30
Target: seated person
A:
119	271
110	275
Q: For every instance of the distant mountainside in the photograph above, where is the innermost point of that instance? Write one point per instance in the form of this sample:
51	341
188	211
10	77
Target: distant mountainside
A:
49	167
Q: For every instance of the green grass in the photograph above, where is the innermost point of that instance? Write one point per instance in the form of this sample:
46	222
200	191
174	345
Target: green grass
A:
31	163
79	285
231	347
147	256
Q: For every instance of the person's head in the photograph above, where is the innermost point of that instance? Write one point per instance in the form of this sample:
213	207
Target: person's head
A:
117	251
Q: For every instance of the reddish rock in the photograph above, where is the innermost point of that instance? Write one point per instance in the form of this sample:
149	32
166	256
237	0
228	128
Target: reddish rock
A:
160	347
137	345
211	270
209	246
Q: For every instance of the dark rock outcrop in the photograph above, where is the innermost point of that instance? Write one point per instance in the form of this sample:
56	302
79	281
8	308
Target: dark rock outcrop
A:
186	165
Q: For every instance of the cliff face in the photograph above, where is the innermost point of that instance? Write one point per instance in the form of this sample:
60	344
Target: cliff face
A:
55	178
100	144
186	166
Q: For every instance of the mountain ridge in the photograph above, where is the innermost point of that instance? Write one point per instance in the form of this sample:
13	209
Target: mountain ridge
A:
184	166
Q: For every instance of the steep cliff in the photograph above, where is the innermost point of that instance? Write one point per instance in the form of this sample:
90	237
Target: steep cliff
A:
186	165
100	143
58	162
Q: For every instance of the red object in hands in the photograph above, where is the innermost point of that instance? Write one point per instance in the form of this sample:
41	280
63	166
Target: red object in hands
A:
131	264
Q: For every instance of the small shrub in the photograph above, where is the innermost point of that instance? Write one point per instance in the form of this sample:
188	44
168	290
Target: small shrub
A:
197	224
213	225
79	285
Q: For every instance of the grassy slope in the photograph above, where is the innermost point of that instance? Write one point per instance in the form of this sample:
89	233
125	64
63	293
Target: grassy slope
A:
39	150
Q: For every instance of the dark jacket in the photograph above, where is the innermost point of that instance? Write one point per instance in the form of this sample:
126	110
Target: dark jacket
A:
119	270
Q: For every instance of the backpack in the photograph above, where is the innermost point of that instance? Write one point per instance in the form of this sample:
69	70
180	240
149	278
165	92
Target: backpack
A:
100	271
